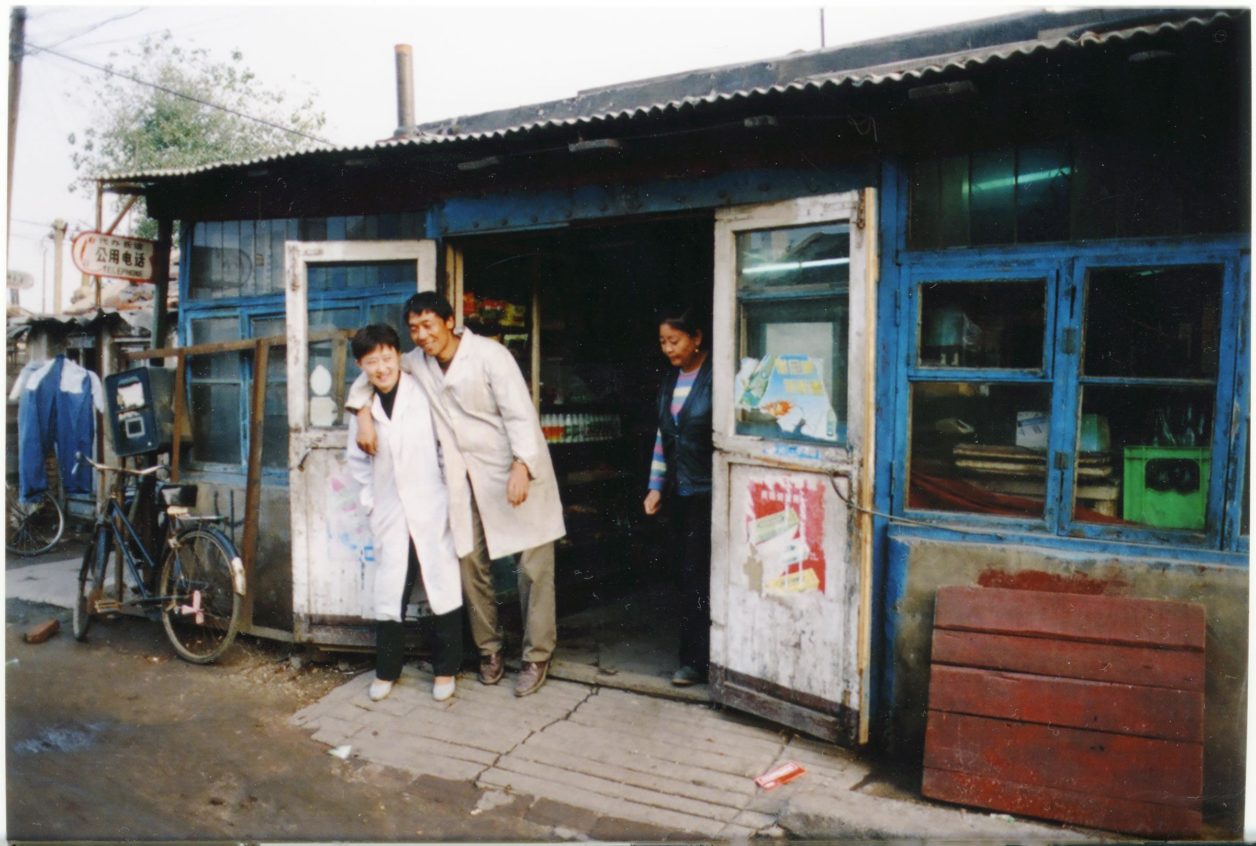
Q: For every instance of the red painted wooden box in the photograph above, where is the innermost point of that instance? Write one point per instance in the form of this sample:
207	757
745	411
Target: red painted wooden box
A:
1077	708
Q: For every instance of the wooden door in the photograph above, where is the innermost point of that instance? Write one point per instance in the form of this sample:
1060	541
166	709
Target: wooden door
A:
794	330
332	551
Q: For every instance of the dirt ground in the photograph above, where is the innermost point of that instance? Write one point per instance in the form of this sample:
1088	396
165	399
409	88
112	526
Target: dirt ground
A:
118	739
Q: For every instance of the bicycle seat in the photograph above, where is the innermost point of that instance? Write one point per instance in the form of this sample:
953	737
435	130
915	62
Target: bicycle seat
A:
178	496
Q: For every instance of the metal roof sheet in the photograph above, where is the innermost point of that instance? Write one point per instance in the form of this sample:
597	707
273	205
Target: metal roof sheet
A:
597	107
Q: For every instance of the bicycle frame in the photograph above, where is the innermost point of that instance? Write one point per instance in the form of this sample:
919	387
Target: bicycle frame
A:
127	540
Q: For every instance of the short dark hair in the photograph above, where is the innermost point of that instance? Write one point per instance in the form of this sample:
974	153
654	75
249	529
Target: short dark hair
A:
682	318
429	301
368	338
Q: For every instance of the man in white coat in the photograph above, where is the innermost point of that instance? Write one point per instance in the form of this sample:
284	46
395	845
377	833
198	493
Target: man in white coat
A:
404	493
503	495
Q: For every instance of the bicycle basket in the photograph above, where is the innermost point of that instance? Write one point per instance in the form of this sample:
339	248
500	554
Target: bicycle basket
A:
184	495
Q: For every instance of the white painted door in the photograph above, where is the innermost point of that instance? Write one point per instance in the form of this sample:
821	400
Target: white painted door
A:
794	332
332	554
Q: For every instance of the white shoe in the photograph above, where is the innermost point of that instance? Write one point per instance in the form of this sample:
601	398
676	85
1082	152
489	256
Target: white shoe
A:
379	689
443	690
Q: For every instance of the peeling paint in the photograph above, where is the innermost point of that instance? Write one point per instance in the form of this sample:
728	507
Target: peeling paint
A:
1053	582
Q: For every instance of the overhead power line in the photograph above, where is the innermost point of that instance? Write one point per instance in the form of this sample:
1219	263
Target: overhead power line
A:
32	49
98	25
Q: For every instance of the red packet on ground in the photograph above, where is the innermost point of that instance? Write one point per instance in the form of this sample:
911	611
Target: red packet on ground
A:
780	774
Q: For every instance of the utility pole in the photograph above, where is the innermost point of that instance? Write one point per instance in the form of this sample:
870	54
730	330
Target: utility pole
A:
58	246
17	46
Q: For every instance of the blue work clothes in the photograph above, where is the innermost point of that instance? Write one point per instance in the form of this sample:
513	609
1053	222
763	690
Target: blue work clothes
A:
55	413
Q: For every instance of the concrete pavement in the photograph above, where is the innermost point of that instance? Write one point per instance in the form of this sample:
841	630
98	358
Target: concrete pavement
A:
686	770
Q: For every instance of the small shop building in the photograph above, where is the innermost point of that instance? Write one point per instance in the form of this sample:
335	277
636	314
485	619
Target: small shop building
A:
980	315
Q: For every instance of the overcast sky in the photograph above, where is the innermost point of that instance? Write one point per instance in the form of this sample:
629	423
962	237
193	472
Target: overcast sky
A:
467	59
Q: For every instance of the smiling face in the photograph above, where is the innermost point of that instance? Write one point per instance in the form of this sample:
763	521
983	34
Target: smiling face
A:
433	335
382	367
682	349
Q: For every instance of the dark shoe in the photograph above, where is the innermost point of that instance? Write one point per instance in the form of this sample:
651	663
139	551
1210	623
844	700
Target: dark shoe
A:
491	668
531	677
686	676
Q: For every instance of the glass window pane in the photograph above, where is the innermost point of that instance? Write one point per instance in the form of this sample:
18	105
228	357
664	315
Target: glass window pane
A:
982	324
275	418
275	427
794	309
799	257
1153	322
326	396
215	413
993	197
979	447
1144	455
1042	194
218	365
391	314
218	266
338	276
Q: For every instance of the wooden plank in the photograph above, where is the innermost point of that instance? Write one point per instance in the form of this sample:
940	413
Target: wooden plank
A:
1071	616
1161	772
1098	706
1053	803
253	477
181	423
1179	669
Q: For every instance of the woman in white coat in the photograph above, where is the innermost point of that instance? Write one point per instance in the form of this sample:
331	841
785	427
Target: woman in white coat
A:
404	492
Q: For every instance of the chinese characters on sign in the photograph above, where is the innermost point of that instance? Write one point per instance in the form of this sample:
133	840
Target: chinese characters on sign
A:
122	257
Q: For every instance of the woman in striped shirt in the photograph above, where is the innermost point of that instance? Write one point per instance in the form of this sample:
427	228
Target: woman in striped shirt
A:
681	471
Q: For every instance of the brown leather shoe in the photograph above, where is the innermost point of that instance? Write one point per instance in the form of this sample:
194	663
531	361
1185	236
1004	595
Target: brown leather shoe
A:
491	668
531	677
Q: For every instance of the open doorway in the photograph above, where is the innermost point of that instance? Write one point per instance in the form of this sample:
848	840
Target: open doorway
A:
577	308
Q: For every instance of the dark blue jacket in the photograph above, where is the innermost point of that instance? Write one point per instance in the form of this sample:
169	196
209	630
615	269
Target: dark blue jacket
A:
53	420
687	439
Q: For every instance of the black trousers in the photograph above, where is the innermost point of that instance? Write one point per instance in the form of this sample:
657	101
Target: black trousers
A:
693	530
446	636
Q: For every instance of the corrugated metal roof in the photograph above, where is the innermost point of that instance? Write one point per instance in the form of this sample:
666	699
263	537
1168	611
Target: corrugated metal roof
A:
601	109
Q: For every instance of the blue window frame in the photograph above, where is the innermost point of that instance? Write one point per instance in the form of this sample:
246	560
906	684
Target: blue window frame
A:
1118	411
228	292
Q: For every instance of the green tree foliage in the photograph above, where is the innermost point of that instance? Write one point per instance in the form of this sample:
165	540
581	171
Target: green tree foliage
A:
141	128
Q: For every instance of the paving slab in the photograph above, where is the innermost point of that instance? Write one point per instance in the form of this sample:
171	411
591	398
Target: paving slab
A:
658	764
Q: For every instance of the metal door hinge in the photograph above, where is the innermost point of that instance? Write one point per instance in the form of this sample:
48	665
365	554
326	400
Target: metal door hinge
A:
1069	341
860	210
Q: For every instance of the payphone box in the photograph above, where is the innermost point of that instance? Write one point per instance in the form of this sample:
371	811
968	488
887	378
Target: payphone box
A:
140	410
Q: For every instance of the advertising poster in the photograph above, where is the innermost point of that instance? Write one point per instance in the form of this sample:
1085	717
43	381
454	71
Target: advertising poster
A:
785	527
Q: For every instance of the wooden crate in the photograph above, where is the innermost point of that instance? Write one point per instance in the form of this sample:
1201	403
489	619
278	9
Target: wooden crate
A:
1082	709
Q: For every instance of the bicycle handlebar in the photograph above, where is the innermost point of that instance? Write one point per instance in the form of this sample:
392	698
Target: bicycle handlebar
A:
147	471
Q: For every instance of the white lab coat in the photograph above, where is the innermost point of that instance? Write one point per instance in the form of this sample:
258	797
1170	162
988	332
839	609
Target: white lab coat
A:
403	490
485	419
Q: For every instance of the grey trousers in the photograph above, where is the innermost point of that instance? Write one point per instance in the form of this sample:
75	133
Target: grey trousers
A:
535	572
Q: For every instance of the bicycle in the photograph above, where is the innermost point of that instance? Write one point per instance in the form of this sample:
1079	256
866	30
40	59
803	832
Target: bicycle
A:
33	527
201	585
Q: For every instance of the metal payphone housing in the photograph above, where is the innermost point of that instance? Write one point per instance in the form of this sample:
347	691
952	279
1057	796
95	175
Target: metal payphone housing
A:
141	410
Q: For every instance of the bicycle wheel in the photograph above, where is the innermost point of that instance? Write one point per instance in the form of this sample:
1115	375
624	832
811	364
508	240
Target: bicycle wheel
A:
91	582
32	527
200	608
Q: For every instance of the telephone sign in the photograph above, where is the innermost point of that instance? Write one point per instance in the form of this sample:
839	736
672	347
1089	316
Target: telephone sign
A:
119	256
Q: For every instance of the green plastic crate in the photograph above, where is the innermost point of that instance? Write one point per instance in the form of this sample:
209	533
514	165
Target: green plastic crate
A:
1162	490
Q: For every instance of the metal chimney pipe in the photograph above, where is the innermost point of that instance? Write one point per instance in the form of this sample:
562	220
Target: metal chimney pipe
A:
405	92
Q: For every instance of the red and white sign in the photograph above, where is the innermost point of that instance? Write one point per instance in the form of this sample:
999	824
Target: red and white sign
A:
785	527
119	256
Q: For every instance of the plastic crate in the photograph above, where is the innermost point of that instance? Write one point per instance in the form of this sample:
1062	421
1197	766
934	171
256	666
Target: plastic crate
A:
1166	487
